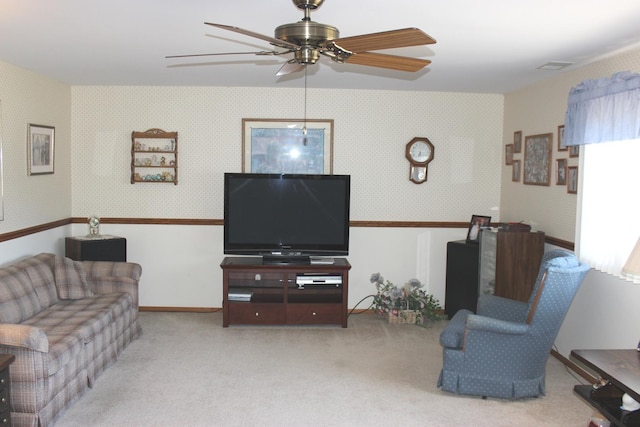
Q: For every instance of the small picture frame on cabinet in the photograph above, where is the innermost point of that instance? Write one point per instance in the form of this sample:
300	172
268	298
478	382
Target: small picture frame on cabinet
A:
478	222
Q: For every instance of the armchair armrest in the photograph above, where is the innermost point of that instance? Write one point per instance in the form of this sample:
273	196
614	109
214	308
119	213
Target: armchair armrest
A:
24	336
487	324
502	308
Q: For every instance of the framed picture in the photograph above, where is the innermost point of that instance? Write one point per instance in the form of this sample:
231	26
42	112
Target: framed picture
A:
287	146
517	141
561	146
40	149
515	171
508	154
477	223
572	180
537	159
561	172
574	151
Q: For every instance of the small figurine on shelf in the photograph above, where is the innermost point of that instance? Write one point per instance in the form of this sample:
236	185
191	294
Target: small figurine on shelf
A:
94	227
163	161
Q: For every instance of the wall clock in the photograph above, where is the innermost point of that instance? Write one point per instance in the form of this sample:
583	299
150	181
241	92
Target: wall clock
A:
419	152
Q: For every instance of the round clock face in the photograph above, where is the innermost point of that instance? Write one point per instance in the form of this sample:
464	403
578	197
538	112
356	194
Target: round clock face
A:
420	151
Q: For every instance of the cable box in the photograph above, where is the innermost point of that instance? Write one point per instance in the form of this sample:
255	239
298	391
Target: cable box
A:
319	280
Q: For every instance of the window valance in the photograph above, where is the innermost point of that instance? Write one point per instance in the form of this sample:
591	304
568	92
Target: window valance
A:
606	109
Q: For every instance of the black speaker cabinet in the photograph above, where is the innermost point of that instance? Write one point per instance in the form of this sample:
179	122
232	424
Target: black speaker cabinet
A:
462	277
105	248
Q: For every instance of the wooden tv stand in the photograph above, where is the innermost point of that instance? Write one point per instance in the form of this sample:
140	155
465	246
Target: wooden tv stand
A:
270	294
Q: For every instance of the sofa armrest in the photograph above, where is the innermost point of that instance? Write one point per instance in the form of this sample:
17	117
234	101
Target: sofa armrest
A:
23	336
107	284
112	269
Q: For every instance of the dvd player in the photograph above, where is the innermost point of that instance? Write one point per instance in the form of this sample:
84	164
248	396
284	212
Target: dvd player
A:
334	280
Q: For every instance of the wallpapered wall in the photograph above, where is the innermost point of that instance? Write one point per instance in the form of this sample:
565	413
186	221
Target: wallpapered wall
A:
371	129
31	98
539	109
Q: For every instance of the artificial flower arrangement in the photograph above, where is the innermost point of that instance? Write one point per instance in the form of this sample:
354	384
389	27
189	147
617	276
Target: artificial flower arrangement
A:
406	304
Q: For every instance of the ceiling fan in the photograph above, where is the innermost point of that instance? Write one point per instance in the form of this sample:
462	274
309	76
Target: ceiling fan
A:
308	40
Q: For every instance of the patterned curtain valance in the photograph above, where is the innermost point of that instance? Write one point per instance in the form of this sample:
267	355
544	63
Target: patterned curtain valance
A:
606	109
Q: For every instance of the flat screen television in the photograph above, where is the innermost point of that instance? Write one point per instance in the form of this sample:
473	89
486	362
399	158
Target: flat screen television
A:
286	218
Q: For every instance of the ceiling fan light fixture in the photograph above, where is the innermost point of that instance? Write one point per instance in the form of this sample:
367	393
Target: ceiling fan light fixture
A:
306	55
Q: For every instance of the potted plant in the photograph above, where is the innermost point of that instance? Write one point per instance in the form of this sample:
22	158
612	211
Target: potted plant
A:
406	304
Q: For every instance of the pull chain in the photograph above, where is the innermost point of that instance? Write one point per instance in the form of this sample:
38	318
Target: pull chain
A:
304	127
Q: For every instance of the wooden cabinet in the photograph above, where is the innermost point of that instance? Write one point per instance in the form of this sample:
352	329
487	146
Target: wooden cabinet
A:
254	293
154	156
462	277
509	262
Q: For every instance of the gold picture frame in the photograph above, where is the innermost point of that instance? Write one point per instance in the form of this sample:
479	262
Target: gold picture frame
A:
287	146
40	149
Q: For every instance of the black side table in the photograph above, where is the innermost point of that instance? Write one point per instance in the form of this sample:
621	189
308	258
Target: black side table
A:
5	390
102	248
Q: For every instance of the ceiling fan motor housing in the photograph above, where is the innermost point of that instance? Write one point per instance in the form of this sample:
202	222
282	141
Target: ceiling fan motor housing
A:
309	36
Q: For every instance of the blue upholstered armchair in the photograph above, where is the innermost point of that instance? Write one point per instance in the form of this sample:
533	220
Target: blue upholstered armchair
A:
502	350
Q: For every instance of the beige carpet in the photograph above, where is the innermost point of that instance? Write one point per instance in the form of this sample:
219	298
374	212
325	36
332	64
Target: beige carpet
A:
188	370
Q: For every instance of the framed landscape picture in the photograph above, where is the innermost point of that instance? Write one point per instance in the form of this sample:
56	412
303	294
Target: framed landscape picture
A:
537	159
40	149
287	146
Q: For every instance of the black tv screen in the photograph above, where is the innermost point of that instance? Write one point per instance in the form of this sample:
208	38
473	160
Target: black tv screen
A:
286	215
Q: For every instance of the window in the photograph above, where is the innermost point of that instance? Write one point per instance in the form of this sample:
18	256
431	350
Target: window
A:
608	223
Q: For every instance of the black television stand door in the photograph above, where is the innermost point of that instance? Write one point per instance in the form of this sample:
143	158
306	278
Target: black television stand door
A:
282	294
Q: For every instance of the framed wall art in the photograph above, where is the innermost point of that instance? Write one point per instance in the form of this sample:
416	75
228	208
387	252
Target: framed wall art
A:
574	151
508	154
561	146
572	180
561	172
517	141
537	159
282	146
40	149
515	171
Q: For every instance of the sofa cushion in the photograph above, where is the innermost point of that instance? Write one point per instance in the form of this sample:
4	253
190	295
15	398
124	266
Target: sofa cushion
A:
18	298
71	279
39	268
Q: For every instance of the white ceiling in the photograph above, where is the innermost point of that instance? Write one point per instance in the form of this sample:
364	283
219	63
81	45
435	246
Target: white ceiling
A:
491	46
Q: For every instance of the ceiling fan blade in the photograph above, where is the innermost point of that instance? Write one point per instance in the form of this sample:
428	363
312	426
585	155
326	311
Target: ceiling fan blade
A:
262	52
384	40
290	67
393	62
272	40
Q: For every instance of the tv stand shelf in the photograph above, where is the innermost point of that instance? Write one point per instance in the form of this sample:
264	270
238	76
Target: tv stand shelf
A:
268	294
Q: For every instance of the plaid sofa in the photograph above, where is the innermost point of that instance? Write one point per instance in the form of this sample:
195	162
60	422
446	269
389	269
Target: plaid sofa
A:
65	321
